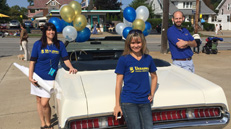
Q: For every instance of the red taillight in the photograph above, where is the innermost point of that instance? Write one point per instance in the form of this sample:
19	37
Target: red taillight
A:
96	123
169	115
103	122
207	112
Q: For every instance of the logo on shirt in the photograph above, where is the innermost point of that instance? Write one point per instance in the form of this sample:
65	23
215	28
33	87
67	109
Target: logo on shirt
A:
49	51
139	69
186	34
131	70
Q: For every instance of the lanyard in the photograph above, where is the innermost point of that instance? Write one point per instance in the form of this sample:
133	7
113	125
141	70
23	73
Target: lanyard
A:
50	54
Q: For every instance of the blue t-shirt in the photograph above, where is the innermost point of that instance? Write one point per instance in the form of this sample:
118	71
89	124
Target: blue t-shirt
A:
136	78
173	35
44	56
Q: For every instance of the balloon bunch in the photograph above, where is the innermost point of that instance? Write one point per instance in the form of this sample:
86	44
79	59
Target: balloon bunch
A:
134	19
73	23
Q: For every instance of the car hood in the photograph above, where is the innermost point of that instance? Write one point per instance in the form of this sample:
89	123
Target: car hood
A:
90	93
176	87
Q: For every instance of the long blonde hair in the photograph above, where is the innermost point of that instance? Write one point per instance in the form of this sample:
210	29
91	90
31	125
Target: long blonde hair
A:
135	34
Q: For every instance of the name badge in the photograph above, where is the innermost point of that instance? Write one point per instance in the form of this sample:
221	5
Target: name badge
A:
51	72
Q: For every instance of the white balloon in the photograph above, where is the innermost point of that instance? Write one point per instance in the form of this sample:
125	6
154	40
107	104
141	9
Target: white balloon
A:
69	33
127	23
142	13
61	7
119	28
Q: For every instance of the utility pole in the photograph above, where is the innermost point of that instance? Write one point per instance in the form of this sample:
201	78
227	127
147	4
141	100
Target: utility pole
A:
197	16
164	28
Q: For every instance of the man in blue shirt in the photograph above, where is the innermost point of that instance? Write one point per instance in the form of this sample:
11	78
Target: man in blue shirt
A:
180	43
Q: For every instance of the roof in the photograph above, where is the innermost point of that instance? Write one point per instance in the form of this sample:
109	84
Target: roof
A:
204	9
53	0
42	3
220	4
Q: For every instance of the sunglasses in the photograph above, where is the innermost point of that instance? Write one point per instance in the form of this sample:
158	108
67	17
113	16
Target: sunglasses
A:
135	32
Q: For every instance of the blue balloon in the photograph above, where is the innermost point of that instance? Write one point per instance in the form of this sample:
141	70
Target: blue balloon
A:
126	31
64	23
129	14
148	28
83	35
57	22
202	20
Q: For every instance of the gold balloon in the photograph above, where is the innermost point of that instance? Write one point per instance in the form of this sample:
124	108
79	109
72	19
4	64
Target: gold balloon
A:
138	24
80	22
67	13
76	6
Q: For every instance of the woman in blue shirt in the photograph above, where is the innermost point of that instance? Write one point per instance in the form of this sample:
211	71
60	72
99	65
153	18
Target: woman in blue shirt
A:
44	61
133	70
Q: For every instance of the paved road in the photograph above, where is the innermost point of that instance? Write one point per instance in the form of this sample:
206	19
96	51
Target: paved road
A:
18	107
10	46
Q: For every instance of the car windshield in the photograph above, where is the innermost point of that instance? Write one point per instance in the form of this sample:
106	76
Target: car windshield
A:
42	21
99	54
14	21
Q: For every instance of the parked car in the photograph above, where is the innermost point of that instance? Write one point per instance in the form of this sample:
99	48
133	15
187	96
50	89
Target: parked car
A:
87	99
159	26
14	24
28	24
3	26
41	22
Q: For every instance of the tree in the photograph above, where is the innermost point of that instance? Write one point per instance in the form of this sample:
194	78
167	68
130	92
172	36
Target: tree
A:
5	10
4	7
16	11
212	4
136	3
31	2
107	4
91	5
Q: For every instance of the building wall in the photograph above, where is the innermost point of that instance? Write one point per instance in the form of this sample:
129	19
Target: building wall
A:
156	7
224	7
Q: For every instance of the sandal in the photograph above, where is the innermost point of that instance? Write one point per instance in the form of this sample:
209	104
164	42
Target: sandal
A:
43	127
49	127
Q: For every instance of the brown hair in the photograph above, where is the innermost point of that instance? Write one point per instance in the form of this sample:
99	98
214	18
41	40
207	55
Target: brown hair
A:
135	34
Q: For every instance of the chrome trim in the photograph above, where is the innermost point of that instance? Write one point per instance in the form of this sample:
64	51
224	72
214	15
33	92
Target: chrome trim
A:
201	123
217	122
224	107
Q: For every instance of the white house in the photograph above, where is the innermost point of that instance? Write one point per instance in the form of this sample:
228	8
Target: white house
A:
188	7
224	14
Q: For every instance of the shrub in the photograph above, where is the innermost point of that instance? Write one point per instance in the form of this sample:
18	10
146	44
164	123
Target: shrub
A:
208	26
154	22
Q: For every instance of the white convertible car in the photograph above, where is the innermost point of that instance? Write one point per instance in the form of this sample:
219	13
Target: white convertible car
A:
87	99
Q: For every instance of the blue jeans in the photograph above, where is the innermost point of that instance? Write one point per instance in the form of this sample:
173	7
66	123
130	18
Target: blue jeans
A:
137	116
188	65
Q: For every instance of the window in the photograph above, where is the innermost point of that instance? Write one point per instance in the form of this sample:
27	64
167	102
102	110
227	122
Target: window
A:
214	18
228	18
228	6
187	5
222	10
53	3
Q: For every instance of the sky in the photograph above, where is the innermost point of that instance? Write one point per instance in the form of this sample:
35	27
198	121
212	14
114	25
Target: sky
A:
24	3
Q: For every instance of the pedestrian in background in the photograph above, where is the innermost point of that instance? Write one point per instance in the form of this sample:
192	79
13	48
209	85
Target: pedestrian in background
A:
180	43
198	41
24	42
133	70
220	29
44	61
216	29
